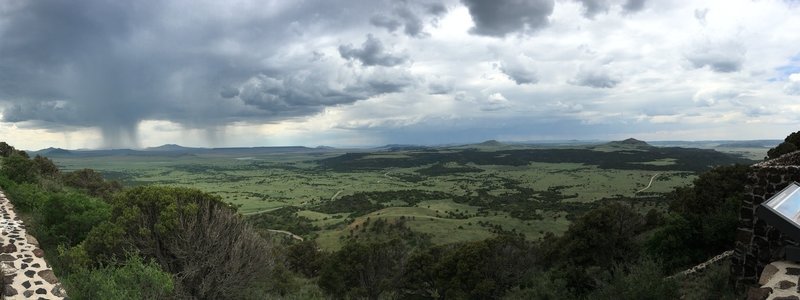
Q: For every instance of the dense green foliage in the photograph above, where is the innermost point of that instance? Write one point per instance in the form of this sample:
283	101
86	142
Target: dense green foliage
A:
790	144
194	235
66	218
285	218
362	203
601	237
143	243
363	269
477	270
92	182
133	279
641	280
702	218
19	168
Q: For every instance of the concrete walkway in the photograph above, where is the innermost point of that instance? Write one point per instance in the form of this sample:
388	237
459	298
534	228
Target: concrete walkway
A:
26	275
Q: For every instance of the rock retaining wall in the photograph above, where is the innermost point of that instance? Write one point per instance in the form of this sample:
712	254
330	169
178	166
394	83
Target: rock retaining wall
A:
758	244
26	275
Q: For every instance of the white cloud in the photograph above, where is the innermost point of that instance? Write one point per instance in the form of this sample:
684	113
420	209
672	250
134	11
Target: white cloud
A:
792	87
712	96
494	102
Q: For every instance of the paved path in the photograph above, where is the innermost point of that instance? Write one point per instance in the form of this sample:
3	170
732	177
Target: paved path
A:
337	194
649	184
262	211
294	236
25	273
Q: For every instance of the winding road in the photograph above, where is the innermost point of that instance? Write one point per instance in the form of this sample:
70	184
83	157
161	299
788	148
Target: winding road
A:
649	184
294	236
337	194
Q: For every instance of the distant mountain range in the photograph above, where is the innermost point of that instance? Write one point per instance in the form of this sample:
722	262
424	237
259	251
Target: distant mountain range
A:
178	150
629	143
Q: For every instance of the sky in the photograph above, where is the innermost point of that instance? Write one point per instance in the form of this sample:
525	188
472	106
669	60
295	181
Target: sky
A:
113	74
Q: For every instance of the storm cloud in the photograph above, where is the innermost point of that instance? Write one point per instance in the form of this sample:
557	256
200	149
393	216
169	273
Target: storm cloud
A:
112	64
594	7
411	16
371	53
723	57
520	69
99	73
501	17
595	77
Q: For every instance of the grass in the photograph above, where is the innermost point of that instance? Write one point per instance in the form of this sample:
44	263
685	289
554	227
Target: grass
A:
265	182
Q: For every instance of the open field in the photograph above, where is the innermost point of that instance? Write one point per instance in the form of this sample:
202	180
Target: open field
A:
452	194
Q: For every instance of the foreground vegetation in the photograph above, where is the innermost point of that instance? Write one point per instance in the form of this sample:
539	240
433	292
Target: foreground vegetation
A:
390	240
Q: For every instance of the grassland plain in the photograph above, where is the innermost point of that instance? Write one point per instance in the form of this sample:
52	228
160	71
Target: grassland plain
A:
452	194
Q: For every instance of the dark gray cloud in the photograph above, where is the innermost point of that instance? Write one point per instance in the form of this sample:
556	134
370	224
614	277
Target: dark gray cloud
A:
112	64
291	96
594	7
228	92
436	9
385	21
440	87
412	24
371	53
594	77
723	57
46	112
305	93
520	72
501	17
633	5
409	15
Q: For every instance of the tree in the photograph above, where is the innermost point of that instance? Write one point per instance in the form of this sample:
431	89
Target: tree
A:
19	168
364	269
789	144
305	258
45	166
213	253
133	279
6	150
703	218
601	237
92	182
68	218
475	270
642	280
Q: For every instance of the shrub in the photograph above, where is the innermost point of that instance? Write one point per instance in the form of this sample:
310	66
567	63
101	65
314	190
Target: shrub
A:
363	269
133	279
194	235
66	218
642	280
45	166
19	169
26	197
789	144
93	183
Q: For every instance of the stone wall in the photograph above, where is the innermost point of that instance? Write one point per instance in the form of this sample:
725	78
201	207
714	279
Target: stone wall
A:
26	275
758	244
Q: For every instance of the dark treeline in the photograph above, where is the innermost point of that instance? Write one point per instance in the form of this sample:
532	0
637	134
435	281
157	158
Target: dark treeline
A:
686	159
